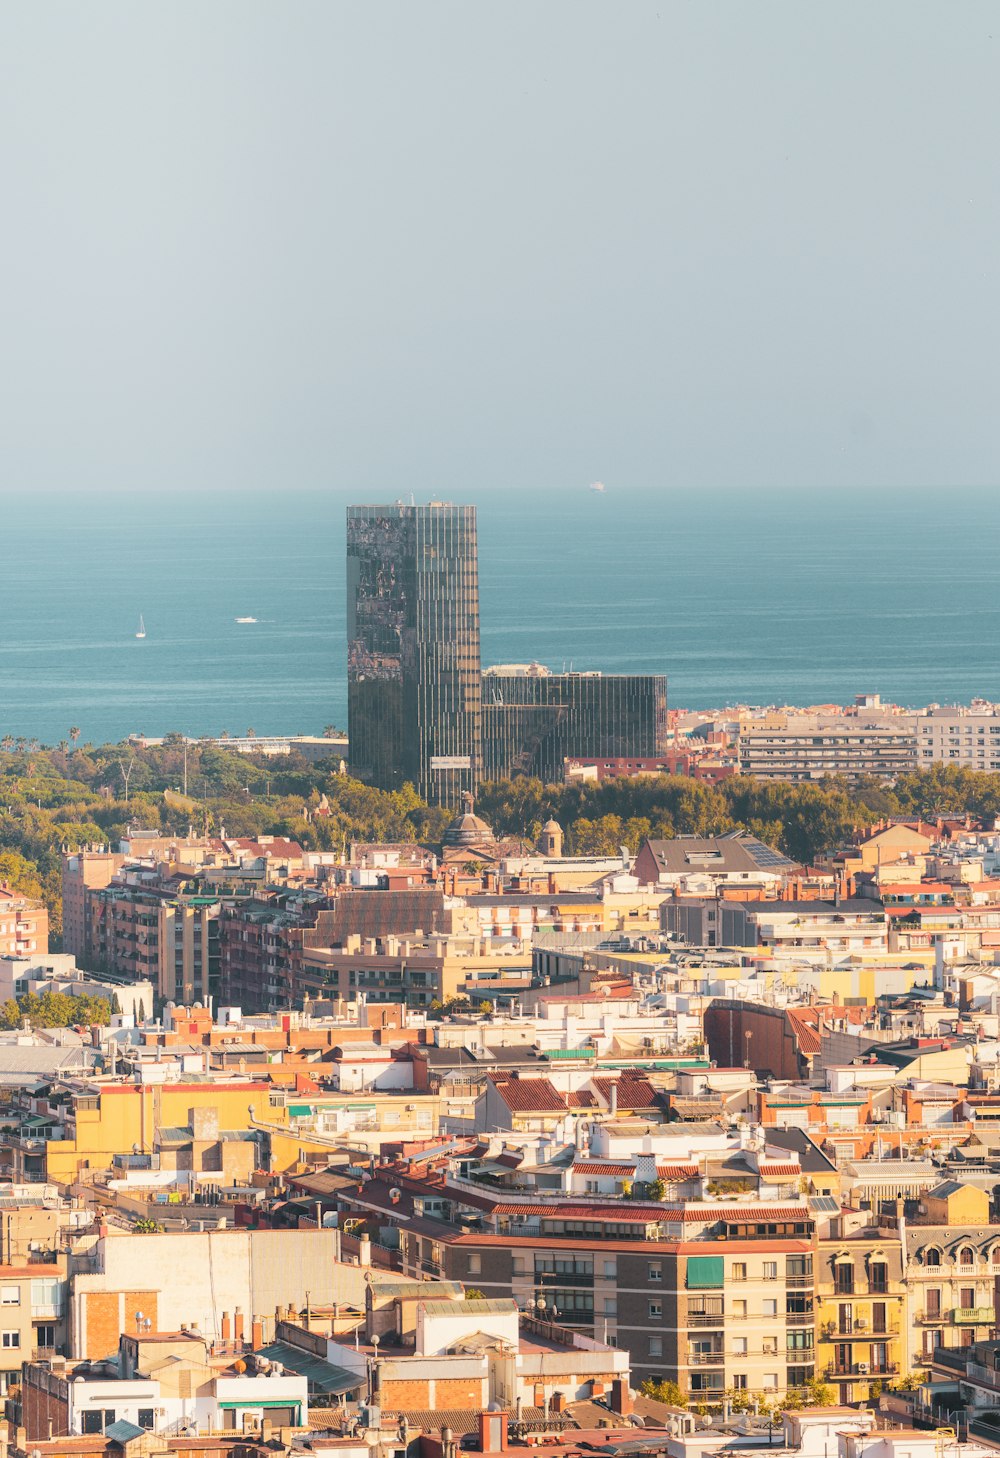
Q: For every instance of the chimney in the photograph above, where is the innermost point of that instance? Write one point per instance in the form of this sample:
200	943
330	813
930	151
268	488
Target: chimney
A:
492	1432
620	1401
238	1324
256	1333
227	1327
558	1401
614	1097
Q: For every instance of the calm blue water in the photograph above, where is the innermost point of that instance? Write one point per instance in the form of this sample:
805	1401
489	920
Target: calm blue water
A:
738	597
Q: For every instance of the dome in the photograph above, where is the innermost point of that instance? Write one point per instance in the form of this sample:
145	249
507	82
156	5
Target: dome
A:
468	831
551	827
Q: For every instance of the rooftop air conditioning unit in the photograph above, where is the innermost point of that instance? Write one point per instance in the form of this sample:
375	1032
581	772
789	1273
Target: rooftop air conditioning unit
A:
862	1366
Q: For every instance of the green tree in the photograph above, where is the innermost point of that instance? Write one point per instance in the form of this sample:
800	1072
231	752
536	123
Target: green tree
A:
668	1392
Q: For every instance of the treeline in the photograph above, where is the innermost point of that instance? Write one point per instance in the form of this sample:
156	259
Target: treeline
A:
802	820
66	797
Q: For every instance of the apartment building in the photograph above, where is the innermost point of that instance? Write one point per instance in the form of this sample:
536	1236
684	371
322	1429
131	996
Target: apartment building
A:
24	925
861	1306
966	737
951	1250
797	747
32	1315
713	1294
142	927
84	871
415	971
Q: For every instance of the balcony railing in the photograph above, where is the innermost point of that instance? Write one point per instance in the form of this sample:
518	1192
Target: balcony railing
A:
858	1331
973	1315
706	1359
863	1369
700	1318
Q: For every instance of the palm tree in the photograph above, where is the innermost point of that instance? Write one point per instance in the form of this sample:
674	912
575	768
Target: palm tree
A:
7	742
74	734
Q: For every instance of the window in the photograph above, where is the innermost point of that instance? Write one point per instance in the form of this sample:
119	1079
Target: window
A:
10	1339
45	1336
740	1381
739	1346
10	1295
878	1276
740	1310
770	1308
770	1270
769	1346
655	1271
98	1419
770	1381
610	1270
655	1310
932	1256
966	1256
656	1346
739	1270
145	1417
475	1265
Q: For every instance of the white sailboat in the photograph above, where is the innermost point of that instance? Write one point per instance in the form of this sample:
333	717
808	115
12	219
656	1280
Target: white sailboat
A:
142	628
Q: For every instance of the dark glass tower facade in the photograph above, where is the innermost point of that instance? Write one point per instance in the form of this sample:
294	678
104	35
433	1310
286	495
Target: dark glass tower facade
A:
413	668
531	723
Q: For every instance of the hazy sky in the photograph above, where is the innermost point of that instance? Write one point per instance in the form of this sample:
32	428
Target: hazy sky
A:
460	247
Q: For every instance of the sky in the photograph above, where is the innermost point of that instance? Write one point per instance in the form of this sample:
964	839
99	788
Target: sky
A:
461	248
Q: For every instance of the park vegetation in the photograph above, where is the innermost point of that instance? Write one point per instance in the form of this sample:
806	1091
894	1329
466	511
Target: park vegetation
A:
75	795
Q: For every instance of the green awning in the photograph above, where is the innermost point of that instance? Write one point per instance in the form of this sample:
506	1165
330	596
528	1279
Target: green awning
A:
704	1272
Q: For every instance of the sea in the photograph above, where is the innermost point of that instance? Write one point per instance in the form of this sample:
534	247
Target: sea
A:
738	596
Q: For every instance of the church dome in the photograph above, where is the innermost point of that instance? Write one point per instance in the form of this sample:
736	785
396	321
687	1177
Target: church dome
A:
468	831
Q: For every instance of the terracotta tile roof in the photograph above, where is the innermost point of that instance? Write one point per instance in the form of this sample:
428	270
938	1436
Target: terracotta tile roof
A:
530	1095
634	1091
664	1171
805	1025
780	1169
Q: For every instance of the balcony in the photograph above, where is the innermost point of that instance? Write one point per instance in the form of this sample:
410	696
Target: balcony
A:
706	1359
930	1318
973	1315
858	1331
863	1369
700	1318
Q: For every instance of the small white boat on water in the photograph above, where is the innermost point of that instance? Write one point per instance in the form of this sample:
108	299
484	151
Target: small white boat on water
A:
142	628
246	620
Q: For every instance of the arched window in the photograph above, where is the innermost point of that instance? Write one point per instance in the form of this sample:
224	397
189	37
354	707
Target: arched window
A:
932	1256
967	1256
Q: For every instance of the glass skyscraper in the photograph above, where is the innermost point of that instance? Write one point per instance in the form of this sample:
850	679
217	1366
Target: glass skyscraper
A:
533	721
413	669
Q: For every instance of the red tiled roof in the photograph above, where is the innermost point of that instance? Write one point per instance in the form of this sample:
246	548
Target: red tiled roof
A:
664	1171
780	1169
634	1091
530	1095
